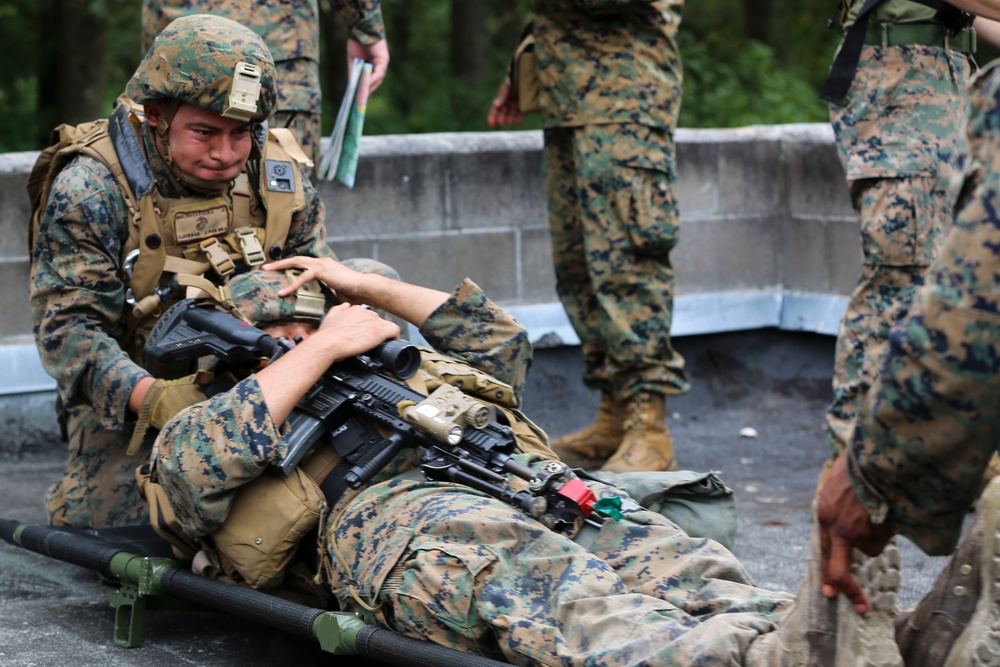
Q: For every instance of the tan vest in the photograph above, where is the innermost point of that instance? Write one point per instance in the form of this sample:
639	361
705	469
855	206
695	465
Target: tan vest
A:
209	236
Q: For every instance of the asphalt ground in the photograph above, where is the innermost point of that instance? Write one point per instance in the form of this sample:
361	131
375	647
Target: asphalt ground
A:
53	613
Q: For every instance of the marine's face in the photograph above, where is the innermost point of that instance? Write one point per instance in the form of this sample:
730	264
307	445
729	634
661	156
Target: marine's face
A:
204	144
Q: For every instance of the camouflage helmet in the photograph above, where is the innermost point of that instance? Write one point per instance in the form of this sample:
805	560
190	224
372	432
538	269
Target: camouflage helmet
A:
255	296
210	62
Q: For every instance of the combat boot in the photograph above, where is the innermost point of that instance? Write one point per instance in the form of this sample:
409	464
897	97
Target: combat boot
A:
590	447
992	470
926	634
979	643
646	444
820	632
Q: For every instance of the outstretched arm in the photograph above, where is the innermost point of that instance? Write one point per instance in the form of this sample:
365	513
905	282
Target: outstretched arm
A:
411	302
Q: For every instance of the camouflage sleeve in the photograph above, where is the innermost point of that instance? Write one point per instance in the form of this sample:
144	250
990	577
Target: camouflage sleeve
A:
930	422
363	19
208	451
76	294
471	327
307	232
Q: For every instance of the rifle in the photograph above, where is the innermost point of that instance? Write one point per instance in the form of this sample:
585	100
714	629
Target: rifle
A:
147	581
461	438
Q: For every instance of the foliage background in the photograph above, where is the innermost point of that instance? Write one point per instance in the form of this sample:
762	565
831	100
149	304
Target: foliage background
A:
746	62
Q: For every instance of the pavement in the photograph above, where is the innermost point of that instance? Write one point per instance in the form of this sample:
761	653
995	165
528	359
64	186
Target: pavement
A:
775	383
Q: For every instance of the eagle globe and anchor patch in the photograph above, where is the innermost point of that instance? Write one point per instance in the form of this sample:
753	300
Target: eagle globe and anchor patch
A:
201	220
280	176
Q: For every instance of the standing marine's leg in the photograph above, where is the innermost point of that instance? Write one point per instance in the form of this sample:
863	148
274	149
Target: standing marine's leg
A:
901	223
613	219
901	138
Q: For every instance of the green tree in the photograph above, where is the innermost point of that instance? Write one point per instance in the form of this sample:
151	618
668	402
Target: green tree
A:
745	61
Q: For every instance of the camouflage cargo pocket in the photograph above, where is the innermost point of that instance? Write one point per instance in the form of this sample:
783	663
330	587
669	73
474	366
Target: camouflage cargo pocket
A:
434	588
902	220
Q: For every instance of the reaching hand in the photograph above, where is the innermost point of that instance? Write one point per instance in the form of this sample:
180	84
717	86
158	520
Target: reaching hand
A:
505	109
844	524
344	281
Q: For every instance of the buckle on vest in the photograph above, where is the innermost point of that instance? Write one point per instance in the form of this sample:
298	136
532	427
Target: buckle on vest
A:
253	251
217	257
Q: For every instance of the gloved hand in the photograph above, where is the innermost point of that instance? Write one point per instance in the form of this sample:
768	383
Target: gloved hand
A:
164	400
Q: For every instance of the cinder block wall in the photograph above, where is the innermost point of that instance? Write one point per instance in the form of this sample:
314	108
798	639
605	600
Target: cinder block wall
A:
767	239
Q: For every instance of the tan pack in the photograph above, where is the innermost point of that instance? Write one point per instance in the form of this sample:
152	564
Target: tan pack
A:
524	73
269	519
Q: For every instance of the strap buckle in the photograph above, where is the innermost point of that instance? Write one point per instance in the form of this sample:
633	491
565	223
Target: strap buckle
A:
253	251
218	257
309	298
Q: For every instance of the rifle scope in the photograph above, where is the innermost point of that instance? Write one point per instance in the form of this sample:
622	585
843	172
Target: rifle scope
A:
400	357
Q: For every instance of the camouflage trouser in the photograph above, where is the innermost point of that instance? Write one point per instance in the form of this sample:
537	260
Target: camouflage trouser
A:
613	220
444	564
901	138
300	104
98	488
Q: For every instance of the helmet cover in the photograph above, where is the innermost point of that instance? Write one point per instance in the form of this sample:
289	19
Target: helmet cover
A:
211	62
255	296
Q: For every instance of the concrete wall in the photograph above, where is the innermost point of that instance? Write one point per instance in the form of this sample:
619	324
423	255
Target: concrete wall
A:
768	237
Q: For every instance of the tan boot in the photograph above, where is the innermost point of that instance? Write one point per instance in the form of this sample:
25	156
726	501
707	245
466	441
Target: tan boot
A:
807	633
646	444
979	642
926	635
819	632
592	446
992	470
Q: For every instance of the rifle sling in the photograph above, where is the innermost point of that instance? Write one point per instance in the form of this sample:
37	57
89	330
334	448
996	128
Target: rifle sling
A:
333	485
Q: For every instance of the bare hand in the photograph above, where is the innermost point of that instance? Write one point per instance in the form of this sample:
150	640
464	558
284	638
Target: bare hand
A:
356	329
344	281
376	53
844	524
505	109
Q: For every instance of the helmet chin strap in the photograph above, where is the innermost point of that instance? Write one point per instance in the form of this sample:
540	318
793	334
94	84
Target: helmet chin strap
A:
163	132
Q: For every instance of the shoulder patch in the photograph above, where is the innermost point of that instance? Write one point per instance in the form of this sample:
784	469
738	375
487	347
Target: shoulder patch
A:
279	175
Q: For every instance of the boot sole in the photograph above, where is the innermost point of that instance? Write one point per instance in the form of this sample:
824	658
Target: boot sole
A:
870	640
979	643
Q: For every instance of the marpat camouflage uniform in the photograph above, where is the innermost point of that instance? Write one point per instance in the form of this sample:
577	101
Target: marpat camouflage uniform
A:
444	563
291	30
78	282
901	138
931	421
78	304
610	91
